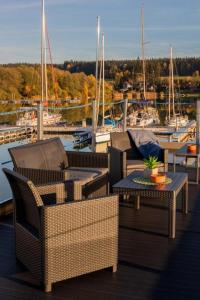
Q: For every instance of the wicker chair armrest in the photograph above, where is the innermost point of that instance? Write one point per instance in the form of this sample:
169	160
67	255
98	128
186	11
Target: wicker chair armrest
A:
81	219
57	189
117	164
69	190
41	176
87	159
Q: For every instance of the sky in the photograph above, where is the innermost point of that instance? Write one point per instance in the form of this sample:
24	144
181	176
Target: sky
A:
72	28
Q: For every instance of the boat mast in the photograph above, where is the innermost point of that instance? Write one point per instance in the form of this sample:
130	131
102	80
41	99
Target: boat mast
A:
103	80
41	103
143	53
45	61
97	71
169	99
172	80
42	51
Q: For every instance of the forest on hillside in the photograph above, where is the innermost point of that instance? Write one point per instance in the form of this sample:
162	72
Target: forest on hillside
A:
120	71
23	81
76	80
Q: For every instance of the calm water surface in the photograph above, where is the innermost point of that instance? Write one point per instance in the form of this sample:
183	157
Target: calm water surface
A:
5	192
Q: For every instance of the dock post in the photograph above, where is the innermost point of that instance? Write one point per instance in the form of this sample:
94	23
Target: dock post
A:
198	122
94	124
40	121
125	113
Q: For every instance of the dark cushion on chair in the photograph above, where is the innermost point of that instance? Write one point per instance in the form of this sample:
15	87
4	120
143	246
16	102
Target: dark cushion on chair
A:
146	142
47	154
55	155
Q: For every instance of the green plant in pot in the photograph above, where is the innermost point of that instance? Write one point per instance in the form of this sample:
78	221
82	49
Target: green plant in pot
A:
152	165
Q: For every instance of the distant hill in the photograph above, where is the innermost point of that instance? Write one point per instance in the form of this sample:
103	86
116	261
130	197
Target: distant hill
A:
159	67
122	71
75	79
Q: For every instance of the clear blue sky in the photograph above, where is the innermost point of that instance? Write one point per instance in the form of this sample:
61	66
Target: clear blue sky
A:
71	26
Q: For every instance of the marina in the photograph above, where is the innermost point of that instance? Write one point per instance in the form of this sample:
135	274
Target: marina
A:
84	134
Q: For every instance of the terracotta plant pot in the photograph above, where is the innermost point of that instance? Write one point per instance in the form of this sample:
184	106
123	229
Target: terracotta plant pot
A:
192	148
149	172
159	178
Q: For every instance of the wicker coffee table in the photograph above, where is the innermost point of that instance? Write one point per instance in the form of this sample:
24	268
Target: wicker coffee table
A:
167	192
183	152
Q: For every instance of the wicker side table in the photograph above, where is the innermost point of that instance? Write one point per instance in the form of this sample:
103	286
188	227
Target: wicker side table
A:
168	192
183	152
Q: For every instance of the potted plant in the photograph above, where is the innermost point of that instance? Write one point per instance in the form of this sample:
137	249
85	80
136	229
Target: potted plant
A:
152	165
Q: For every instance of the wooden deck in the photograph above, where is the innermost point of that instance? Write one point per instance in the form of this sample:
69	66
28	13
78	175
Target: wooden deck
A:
150	265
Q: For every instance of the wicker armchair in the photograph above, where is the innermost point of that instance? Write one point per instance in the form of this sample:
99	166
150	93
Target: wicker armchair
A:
126	158
61	241
47	161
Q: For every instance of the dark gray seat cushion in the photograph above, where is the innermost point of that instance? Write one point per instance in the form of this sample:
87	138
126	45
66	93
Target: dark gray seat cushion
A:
85	174
50	155
47	155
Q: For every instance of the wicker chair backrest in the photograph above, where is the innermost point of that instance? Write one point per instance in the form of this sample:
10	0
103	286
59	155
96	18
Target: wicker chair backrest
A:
26	197
48	154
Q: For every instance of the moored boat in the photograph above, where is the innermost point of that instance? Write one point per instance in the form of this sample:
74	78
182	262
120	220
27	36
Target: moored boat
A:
30	119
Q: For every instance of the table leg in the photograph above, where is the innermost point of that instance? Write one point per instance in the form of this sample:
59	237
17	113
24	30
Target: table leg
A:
174	160
137	202
197	170
172	217
185	199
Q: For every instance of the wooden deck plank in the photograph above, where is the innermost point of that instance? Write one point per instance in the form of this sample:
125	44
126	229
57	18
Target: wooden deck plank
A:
150	265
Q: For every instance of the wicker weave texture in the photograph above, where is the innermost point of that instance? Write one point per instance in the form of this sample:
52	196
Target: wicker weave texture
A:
87	159
88	241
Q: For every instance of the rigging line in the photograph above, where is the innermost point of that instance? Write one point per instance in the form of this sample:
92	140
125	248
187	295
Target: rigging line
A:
57	108
178	81
52	66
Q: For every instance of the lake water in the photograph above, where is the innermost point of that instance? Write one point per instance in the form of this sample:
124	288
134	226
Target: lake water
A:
5	192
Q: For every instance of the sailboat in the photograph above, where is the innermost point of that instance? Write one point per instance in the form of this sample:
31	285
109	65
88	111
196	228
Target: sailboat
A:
30	119
149	115
102	134
175	120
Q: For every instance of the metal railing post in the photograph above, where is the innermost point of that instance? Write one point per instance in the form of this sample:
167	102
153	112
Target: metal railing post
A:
125	114
40	121
94	124
198	122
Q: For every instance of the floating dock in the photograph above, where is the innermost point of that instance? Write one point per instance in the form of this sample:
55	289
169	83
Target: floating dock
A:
11	134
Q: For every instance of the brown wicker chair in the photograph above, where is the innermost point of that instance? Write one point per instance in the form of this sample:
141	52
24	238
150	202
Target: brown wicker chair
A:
61	241
47	161
126	158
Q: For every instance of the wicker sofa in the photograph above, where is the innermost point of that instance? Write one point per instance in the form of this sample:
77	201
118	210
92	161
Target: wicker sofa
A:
85	174
61	241
126	158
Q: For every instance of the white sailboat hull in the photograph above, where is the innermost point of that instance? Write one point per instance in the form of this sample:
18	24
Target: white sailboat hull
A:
31	120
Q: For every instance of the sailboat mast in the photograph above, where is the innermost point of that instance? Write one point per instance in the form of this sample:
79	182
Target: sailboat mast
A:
143	52
97	69
103	80
172	80
45	61
42	51
40	105
169	99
